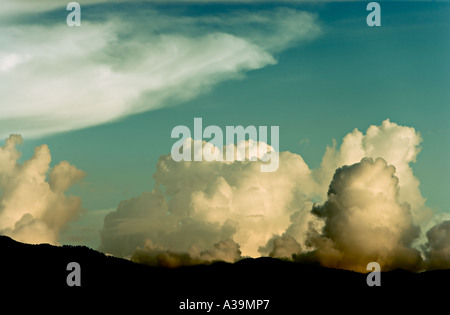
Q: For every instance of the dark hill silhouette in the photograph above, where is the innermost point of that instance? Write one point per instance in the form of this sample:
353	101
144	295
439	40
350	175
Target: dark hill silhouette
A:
289	286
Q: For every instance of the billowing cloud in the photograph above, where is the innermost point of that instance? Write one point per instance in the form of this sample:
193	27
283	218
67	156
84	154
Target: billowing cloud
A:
75	77
368	213
438	247
285	246
33	206
226	250
397	145
202	203
365	220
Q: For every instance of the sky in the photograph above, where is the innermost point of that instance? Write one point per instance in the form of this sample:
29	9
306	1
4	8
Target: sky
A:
99	103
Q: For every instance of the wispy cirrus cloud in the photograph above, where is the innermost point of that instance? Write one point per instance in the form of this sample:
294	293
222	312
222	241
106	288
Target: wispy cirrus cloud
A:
56	78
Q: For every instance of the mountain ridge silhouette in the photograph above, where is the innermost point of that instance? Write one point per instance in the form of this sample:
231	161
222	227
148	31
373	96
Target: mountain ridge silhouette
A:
285	284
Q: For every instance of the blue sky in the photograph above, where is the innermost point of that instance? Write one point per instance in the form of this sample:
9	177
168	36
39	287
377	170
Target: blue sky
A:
322	86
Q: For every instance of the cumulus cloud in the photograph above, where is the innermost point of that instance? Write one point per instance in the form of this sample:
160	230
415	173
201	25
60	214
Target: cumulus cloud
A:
365	220
33	206
397	145
202	203
368	213
437	250
152	255
201	212
73	78
285	246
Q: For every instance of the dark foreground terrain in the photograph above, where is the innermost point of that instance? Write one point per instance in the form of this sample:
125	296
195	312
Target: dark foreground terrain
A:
291	288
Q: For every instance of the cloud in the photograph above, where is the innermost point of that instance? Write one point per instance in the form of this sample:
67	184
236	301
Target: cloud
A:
203	203
368	213
33	206
365	220
397	145
282	247
437	250
73	78
201	212
226	250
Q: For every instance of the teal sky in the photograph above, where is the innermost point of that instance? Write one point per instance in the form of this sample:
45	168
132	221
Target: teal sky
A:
348	76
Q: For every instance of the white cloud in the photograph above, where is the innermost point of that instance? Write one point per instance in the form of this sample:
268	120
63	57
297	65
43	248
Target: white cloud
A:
32	208
10	61
365	220
204	211
370	212
198	204
66	78
397	145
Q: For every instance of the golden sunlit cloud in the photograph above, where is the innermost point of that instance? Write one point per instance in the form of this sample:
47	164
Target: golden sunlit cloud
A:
34	207
372	211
